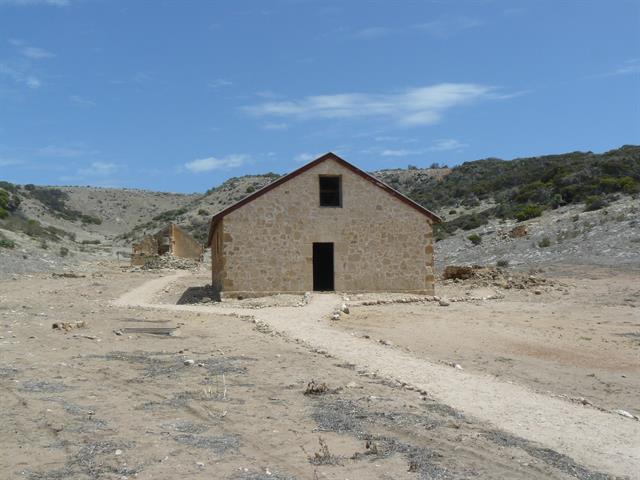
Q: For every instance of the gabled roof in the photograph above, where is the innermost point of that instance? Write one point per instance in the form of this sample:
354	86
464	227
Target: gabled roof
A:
327	156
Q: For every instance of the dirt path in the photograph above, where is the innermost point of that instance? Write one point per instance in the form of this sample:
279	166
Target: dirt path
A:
604	441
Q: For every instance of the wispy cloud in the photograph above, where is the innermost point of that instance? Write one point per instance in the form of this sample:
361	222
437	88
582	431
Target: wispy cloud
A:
19	76
400	152
305	157
629	67
36	53
214	163
443	145
275	126
219	83
442	27
447	144
372	32
25	3
447	26
29	51
10	162
98	169
65	151
414	106
81	101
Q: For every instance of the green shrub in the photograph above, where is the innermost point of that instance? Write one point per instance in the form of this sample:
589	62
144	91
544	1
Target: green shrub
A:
528	211
250	189
64	251
170	214
9	187
8	202
6	243
203	212
90	219
594	202
90	242
475	238
544	243
502	263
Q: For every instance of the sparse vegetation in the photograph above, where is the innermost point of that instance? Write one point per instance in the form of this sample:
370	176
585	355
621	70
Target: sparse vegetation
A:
594	202
56	201
544	243
170	215
475	239
502	263
524	188
528	211
6	243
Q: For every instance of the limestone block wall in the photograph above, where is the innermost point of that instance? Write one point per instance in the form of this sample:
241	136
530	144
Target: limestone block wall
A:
146	248
380	243
184	245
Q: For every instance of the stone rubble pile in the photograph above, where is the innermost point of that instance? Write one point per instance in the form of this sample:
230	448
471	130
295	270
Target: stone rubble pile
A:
495	277
170	262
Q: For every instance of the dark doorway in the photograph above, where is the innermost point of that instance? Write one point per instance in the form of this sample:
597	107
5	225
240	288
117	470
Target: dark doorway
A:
323	267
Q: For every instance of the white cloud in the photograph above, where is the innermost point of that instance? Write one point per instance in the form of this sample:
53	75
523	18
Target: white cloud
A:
100	169
305	157
275	126
447	144
32	82
36	53
24	3
9	162
399	152
83	102
213	163
218	83
372	32
446	26
19	76
414	106
629	67
65	151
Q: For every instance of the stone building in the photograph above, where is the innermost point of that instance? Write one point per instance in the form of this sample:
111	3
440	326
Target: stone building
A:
326	226
170	240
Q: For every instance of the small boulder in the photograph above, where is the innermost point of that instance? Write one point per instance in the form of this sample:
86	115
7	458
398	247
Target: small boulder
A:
444	302
188	362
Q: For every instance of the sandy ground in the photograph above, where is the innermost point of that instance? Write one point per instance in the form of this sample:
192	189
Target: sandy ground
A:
582	341
89	403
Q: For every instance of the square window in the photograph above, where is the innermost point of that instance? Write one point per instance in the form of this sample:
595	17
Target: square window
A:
330	191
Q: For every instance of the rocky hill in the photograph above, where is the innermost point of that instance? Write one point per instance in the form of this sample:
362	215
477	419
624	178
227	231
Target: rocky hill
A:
556	197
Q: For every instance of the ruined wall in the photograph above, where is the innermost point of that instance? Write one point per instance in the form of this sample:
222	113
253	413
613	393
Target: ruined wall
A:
147	247
183	245
380	243
217	259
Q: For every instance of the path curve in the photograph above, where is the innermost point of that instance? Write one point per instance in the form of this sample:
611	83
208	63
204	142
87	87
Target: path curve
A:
600	440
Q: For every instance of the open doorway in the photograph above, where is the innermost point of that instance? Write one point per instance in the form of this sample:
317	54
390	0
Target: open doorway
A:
323	267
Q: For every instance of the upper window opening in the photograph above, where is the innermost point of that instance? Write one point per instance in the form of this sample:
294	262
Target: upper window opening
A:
330	192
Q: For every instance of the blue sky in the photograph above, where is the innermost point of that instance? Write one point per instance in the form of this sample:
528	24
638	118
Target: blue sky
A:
180	95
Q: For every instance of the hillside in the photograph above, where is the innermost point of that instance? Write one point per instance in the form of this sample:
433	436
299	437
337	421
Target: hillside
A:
51	225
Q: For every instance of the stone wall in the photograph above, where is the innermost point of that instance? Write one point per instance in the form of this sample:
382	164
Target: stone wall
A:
380	243
171	239
183	245
147	247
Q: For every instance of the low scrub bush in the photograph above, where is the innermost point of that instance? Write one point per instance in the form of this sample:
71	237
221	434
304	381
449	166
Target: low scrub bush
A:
528	211
594	202
475	239
6	243
544	243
